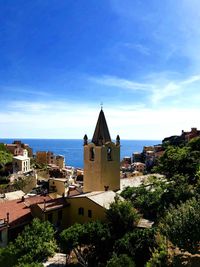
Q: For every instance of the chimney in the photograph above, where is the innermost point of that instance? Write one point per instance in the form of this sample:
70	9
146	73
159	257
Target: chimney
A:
106	187
7	217
117	140
44	204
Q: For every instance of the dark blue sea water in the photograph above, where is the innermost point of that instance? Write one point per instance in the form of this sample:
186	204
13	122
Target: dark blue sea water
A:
72	149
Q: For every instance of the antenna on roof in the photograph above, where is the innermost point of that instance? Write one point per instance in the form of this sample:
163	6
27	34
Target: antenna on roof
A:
101	105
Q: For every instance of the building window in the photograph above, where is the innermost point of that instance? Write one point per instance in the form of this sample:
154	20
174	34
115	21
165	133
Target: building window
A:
89	213
92	153
109	153
50	217
81	211
60	215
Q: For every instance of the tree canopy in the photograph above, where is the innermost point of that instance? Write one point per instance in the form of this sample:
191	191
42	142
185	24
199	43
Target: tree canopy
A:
180	160
122	260
181	225
33	245
122	217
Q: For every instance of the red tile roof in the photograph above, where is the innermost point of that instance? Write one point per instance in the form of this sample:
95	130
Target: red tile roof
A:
19	211
53	204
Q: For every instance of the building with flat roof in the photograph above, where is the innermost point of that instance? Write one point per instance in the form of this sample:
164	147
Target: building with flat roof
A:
21	163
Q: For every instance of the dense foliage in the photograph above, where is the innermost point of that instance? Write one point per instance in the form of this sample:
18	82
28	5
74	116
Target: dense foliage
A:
90	242
137	244
172	201
120	261
113	242
5	159
181	225
181	160
124	214
33	245
154	197
5	155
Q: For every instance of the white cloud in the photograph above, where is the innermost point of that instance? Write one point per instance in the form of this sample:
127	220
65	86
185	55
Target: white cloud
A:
74	120
114	81
28	106
168	90
158	87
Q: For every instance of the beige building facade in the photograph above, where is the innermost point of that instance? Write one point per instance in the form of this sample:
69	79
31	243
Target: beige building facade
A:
101	160
48	157
60	161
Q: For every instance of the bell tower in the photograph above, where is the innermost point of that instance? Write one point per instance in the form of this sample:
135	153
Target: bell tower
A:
101	159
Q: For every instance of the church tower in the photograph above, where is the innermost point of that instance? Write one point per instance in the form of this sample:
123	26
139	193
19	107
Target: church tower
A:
101	159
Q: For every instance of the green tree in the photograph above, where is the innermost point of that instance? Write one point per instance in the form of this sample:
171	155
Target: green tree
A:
194	144
147	198
175	160
154	197
122	260
90	242
180	160
33	245
181	225
137	244
122	217
5	156
159	256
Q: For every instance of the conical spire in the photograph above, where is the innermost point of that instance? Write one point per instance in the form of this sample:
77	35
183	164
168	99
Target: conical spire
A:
101	133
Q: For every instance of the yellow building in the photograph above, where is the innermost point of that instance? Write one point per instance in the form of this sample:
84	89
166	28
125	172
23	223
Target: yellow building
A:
55	211
101	179
101	159
89	206
60	161
48	157
58	186
82	208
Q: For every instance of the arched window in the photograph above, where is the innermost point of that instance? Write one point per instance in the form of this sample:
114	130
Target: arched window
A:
109	153
92	153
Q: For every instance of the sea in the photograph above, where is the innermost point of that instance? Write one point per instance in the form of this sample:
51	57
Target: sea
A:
72	149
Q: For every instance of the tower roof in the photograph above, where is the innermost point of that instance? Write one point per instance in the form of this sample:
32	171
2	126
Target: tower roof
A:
101	133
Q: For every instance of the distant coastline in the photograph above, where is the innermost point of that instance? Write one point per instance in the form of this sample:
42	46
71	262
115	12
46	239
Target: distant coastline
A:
72	149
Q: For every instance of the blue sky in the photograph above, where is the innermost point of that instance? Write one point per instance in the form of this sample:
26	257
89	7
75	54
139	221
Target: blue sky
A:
60	59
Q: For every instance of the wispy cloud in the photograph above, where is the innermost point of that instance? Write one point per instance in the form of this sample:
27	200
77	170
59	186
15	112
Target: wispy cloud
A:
28	106
114	81
169	29
28	91
141	48
157	88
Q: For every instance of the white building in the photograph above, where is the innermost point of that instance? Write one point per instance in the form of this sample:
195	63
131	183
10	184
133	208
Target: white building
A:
21	163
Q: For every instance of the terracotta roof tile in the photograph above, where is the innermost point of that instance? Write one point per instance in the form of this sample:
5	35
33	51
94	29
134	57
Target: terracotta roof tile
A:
19	211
